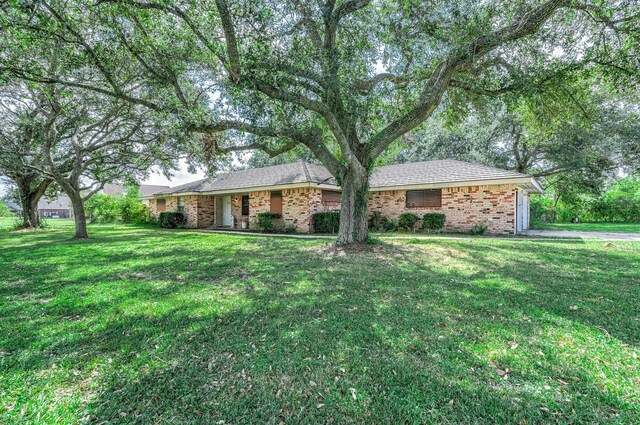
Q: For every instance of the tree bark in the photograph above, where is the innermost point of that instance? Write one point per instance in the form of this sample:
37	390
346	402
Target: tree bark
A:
29	204
353	207
78	215
29	198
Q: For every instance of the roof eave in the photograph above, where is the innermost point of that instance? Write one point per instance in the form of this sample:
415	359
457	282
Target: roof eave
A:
461	183
528	182
244	190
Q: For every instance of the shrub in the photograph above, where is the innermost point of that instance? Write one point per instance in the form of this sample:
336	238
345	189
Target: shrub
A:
289	230
389	225
478	229
133	211
171	220
266	222
103	208
407	221
380	223
376	221
433	221
4	211
326	222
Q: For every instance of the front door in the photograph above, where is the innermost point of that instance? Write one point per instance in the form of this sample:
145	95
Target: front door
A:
227	219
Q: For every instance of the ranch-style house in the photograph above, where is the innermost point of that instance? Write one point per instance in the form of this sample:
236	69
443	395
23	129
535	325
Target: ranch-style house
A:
468	194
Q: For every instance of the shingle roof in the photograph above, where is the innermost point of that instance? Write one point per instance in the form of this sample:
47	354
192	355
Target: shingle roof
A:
296	172
13	206
62	202
413	173
439	171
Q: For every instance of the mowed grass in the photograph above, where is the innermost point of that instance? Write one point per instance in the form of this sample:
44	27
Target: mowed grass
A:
8	223
591	227
147	326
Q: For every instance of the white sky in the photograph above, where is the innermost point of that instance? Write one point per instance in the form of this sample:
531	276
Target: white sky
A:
180	176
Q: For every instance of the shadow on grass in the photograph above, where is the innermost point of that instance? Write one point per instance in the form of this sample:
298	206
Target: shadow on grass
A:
190	328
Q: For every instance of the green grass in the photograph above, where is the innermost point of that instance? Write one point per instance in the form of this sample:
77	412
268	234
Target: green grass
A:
8	223
591	227
169	327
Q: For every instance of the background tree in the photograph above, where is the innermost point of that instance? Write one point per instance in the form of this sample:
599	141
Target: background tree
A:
81	139
91	140
19	154
583	141
346	78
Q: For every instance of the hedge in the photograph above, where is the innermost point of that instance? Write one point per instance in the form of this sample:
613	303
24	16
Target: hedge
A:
171	220
407	221
326	222
265	221
433	221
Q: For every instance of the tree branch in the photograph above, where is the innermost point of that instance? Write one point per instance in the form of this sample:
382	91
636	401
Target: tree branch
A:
528	23
230	38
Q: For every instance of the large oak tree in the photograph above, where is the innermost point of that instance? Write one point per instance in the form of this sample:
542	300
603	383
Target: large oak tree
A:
345	79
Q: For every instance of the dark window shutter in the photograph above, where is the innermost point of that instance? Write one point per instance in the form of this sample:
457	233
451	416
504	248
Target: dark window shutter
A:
330	197
276	202
245	204
424	198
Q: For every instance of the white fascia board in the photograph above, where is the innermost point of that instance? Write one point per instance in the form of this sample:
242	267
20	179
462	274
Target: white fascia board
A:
536	185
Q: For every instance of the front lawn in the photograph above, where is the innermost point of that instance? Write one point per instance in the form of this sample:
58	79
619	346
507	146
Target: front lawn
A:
167	327
8	223
590	227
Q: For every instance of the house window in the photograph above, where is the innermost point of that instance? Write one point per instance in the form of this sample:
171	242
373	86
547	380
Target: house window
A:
330	198
424	198
245	204
276	202
181	204
161	205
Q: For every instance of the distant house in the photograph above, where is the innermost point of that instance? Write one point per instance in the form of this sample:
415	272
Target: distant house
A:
145	190
55	208
468	194
13	207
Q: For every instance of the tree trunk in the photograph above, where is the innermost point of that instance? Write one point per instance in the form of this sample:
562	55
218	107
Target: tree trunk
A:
30	217
78	216
353	208
29	202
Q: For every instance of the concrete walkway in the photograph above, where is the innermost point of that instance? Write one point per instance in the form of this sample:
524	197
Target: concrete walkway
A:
584	235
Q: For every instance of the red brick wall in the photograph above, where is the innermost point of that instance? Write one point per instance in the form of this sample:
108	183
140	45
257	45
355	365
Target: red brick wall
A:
205	211
258	202
464	207
171	205
236	209
191	210
199	209
298	206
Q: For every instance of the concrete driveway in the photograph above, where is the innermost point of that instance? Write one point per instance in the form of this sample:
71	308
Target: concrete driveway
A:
584	235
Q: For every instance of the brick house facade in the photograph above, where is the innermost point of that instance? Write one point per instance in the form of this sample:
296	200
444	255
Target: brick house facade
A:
485	196
464	207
